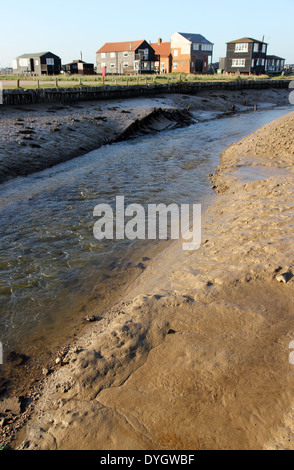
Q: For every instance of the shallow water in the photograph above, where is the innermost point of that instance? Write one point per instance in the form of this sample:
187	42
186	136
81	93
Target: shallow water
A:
249	174
53	270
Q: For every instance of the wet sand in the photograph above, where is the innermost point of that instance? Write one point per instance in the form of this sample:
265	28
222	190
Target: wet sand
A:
40	136
197	354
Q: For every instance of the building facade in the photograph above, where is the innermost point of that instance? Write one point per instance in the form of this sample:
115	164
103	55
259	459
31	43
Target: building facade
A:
79	67
132	57
43	63
191	53
163	61
246	56
275	64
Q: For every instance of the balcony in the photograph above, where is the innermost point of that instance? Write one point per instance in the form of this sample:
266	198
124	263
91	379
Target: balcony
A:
142	57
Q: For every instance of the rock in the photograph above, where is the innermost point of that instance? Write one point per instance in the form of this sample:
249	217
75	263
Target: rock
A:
284	277
2	422
45	372
90	318
58	360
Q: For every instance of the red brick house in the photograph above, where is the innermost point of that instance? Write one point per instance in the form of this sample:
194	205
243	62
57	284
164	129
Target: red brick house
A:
163	60
191	53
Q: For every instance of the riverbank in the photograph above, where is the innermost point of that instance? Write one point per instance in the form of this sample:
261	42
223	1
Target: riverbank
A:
40	136
197	354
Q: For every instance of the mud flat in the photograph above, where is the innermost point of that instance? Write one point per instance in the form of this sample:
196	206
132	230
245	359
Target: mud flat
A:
39	136
197	354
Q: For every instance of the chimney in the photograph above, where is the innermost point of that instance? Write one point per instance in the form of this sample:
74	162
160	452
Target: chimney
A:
159	41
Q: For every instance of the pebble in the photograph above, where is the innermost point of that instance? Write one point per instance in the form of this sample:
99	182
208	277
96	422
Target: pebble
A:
2	422
90	318
58	360
283	277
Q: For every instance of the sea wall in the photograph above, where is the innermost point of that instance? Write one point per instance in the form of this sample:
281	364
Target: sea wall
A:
22	97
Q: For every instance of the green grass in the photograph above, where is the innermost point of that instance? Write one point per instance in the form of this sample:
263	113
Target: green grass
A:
95	80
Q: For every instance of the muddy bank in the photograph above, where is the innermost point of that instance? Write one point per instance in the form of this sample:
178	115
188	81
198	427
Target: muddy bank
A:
43	143
197	355
37	137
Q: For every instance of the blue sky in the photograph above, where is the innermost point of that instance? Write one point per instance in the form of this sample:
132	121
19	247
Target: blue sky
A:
67	27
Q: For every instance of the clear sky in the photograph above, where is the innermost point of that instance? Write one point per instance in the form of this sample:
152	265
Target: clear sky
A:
66	27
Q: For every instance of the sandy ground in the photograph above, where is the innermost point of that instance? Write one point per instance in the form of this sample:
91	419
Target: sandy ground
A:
36	137
197	355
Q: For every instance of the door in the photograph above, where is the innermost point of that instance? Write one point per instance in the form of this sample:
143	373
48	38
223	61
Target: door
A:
205	64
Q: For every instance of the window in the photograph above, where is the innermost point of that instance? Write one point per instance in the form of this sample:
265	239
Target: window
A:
256	47
207	47
241	47
175	66
103	55
36	62
24	62
126	64
146	52
195	47
264	48
238	63
136	65
112	55
176	53
112	66
50	61
103	64
126	54
142	53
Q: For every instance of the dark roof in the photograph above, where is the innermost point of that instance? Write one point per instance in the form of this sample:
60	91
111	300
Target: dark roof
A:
271	57
76	62
195	38
35	54
245	40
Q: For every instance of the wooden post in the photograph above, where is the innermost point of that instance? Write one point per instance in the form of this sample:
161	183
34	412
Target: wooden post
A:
17	83
255	107
38	83
56	82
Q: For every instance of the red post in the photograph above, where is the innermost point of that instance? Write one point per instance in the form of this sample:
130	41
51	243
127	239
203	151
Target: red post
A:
103	74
